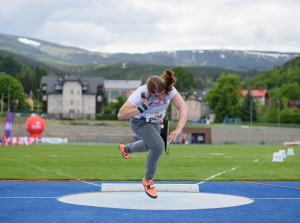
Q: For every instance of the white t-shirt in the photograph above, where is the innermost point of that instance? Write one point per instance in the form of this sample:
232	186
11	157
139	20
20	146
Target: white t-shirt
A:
156	109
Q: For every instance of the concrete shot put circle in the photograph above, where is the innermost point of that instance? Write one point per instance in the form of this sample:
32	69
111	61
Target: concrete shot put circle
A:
170	197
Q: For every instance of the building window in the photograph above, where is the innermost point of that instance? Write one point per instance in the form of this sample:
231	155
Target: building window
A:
72	102
107	94
53	108
123	93
114	94
99	98
89	97
58	87
72	91
53	96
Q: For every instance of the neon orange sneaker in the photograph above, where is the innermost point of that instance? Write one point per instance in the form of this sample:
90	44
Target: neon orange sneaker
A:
121	148
149	188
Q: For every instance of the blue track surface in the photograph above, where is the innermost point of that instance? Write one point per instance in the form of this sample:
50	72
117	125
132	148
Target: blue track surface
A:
36	201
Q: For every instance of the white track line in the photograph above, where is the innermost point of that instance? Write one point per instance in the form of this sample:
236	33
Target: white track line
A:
28	197
278	198
258	198
58	173
216	175
82	181
91	183
26	164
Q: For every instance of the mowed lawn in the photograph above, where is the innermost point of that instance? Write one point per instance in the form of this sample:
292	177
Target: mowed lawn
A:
184	163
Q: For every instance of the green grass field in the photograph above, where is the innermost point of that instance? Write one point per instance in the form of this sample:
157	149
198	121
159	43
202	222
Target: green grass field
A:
184	163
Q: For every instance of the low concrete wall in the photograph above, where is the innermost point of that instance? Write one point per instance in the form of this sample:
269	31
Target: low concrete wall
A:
80	134
254	136
121	134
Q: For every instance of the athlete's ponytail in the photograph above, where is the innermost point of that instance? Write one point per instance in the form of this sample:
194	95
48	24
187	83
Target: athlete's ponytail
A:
169	80
156	84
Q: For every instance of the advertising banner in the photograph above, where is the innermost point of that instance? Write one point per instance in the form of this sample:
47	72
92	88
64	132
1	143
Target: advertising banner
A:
8	124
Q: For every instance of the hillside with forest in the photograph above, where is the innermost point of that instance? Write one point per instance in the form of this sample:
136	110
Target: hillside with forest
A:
283	85
280	85
64	56
282	81
204	76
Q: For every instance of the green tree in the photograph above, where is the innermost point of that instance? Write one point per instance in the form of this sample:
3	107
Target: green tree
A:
15	89
22	105
116	105
36	79
285	74
290	116
248	108
275	110
26	79
185	79
290	91
111	111
9	65
224	96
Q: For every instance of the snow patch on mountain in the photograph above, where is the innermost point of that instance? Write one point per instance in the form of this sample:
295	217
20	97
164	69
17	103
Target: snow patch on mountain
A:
29	42
265	54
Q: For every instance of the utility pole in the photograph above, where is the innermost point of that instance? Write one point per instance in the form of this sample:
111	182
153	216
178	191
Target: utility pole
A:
2	103
278	113
251	110
38	102
8	101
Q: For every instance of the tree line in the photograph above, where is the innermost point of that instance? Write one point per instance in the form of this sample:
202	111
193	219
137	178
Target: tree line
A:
282	84
18	81
224	94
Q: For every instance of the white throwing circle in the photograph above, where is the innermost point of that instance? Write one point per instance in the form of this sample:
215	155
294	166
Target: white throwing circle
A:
165	200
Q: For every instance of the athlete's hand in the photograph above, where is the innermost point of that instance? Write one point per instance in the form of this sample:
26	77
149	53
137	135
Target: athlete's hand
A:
173	135
145	101
145	98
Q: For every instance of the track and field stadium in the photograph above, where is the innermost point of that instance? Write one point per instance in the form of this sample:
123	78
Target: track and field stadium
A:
195	183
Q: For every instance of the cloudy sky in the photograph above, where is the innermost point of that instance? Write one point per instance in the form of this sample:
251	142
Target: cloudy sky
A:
157	25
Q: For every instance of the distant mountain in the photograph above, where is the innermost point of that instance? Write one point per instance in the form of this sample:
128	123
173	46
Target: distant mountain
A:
62	56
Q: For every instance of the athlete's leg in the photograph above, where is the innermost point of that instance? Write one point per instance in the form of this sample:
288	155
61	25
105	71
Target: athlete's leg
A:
150	141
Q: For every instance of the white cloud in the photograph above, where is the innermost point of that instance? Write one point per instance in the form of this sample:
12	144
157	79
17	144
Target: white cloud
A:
156	25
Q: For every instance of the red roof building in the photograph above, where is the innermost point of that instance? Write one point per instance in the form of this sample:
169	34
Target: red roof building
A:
260	95
294	104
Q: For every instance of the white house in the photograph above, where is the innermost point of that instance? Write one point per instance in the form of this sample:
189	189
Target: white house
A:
197	107
72	96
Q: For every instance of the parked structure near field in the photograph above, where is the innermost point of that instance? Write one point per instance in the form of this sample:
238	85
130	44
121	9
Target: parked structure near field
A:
114	88
72	96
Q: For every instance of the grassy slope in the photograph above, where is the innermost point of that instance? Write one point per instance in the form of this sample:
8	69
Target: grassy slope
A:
185	162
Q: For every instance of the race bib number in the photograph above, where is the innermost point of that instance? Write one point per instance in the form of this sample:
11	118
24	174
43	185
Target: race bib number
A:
155	117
